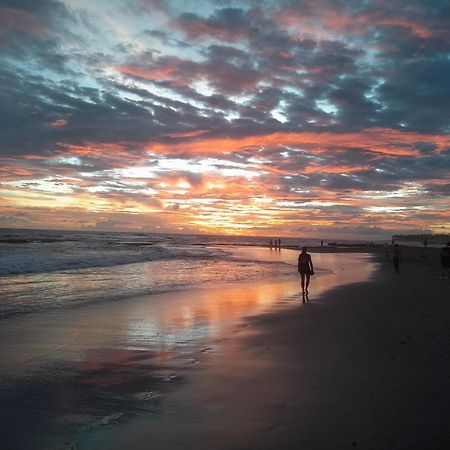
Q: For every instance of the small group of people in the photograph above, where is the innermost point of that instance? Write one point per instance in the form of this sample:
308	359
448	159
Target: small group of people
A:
445	259
306	268
275	243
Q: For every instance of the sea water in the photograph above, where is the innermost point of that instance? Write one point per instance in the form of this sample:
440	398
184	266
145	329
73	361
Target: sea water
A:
42	269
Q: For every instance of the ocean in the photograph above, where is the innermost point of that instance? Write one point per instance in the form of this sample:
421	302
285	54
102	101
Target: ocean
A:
43	269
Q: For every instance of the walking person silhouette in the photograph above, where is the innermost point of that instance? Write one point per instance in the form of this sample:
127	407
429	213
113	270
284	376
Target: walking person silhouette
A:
445	261
306	269
397	258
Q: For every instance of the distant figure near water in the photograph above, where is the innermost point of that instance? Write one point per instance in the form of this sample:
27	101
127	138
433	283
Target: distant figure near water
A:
445	261
397	258
305	268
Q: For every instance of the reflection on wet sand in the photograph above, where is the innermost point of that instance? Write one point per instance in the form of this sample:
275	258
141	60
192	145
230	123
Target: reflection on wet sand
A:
72	370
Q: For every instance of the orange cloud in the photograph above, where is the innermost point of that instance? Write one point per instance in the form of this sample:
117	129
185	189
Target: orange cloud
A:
217	201
119	150
376	140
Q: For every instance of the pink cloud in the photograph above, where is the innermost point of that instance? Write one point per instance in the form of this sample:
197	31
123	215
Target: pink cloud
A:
23	21
149	73
331	24
58	123
198	28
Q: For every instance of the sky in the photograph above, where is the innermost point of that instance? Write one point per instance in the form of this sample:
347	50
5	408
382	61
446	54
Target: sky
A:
314	118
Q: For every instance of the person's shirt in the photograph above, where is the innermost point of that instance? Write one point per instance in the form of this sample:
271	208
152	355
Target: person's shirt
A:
304	260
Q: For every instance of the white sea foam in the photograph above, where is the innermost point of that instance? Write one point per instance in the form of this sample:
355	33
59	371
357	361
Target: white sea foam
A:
27	258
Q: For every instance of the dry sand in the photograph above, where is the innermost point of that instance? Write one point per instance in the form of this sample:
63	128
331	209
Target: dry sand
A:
366	366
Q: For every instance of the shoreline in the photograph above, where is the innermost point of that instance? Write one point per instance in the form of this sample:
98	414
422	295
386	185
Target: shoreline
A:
245	385
365	367
79	371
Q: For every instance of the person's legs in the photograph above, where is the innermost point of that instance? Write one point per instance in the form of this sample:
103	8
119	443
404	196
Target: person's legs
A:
302	276
396	264
307	281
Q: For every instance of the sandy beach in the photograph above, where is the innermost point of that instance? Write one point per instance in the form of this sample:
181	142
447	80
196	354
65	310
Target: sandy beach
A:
366	366
361	365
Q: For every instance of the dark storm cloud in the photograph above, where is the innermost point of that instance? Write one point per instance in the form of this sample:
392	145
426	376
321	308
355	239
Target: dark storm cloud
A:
416	94
32	107
31	17
33	31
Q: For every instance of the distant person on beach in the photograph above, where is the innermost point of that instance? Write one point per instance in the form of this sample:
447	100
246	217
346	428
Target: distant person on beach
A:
305	269
321	243
279	244
445	260
270	244
397	257
425	242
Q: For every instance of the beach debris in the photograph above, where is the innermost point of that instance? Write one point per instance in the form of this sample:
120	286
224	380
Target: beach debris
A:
147	396
111	418
71	446
102	422
170	377
206	349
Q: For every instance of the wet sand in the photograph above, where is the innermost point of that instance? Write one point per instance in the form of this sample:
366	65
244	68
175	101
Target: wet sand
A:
362	365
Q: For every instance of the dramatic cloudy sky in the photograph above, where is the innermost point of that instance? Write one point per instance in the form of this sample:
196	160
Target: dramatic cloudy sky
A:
295	118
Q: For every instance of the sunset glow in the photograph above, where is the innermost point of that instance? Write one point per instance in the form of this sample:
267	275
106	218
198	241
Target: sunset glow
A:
324	119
